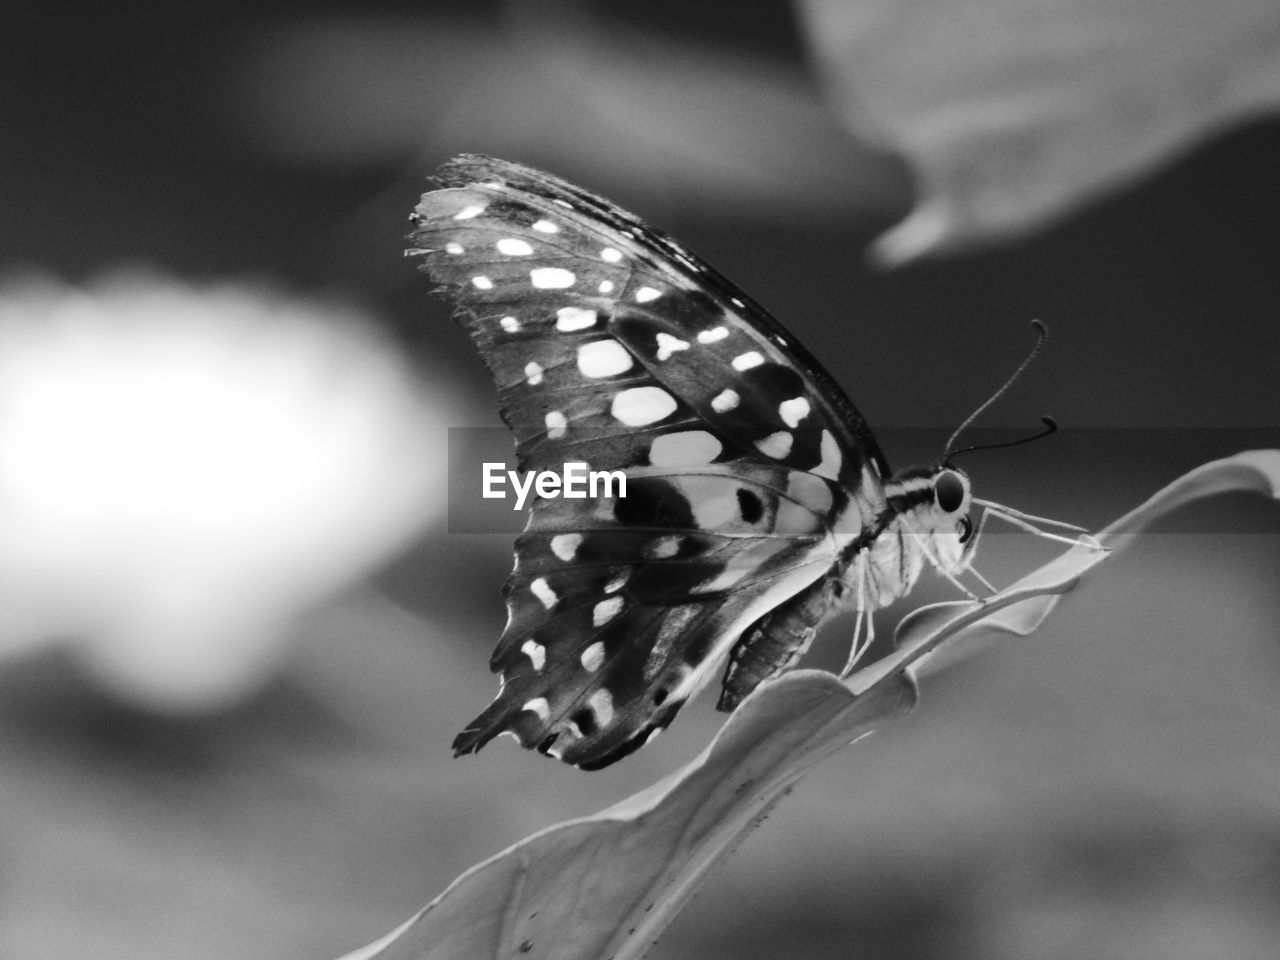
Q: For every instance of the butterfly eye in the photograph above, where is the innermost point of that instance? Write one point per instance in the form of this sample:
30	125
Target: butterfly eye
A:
966	529
948	491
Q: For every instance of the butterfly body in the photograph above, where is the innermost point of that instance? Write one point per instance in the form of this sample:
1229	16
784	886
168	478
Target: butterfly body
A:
757	504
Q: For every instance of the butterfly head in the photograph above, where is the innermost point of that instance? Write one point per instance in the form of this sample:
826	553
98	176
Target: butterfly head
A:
933	506
955	536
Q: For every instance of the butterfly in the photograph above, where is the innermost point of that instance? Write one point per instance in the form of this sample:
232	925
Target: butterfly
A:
758	502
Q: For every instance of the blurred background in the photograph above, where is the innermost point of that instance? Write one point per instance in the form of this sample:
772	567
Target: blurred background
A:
237	637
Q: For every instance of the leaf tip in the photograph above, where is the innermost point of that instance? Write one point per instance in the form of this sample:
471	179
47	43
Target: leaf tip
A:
924	230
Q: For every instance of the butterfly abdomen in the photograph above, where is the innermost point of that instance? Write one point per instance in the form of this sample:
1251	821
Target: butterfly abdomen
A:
778	639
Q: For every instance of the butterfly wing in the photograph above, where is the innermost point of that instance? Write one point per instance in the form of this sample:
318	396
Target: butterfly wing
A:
613	346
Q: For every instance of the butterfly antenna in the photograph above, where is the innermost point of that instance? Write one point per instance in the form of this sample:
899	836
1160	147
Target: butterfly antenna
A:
1042	335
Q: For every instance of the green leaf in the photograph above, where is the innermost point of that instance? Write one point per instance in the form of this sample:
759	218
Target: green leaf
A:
605	886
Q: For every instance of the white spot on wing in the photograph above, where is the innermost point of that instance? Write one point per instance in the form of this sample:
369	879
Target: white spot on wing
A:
721	581
809	491
663	547
556	425
725	400
551	278
641	406
711	500
602	703
831	459
593	656
546	226
606	610
482	283
618	582
610	255
540	707
776	445
533	373
603	358
542	590
688	448
466	213
674	625
667	345
606	286
514	247
793	411
646	294
712	335
745	361
536	653
453	248
565	545
569	319
509	324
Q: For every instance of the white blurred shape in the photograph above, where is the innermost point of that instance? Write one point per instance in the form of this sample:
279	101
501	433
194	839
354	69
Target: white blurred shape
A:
182	470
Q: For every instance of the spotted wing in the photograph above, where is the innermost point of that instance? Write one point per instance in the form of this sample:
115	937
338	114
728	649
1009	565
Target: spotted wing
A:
613	346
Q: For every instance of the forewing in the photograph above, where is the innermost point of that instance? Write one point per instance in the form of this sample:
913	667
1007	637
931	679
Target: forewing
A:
603	334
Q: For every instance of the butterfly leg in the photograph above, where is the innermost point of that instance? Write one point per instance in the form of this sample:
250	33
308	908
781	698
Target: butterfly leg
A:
864	630
1016	519
922	542
984	581
977	575
1010	512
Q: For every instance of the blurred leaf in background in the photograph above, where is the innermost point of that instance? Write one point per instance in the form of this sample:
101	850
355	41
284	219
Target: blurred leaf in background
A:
572	86
1011	113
